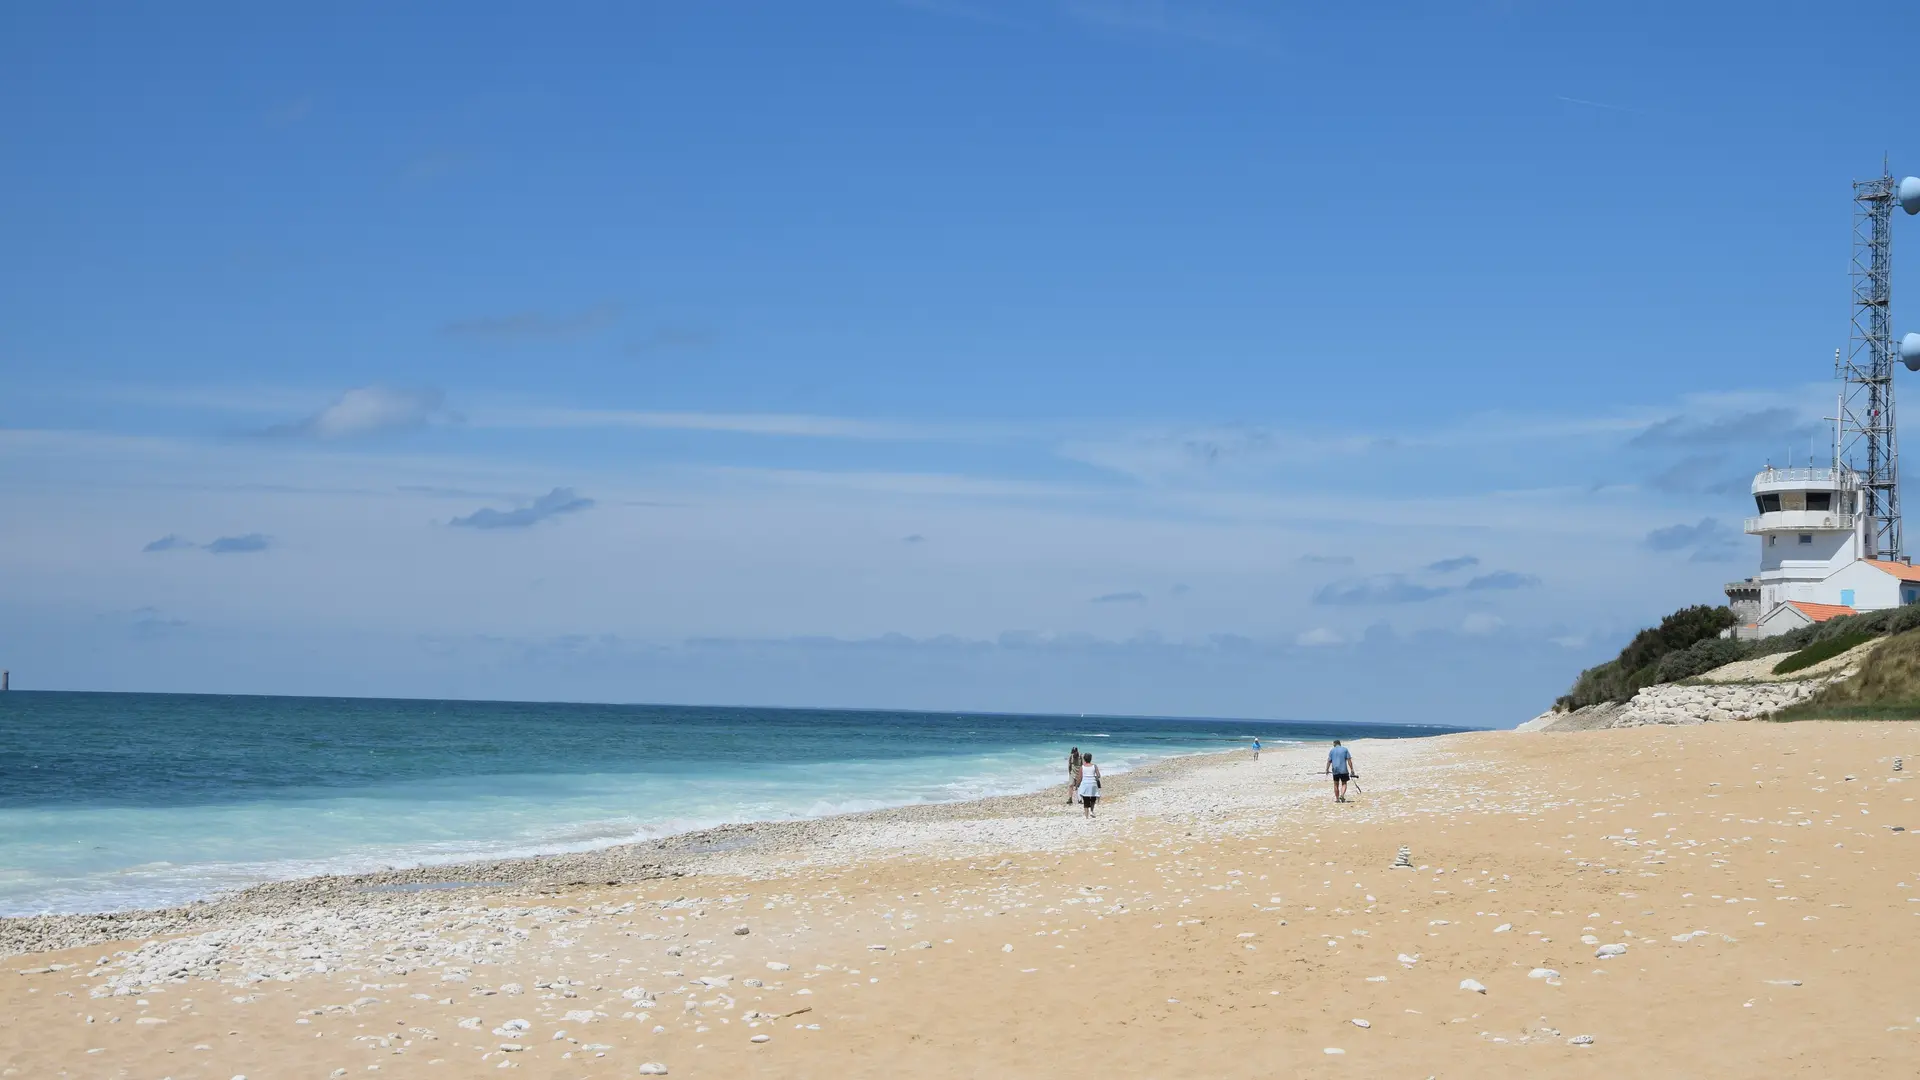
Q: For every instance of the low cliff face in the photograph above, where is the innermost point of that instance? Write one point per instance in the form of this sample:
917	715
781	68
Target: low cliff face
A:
1746	690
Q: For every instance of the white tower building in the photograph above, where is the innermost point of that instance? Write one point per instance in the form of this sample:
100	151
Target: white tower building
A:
1815	538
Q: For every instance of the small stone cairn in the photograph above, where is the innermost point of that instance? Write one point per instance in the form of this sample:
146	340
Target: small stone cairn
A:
1403	861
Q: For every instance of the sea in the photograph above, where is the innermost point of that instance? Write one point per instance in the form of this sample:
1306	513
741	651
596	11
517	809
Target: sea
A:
112	802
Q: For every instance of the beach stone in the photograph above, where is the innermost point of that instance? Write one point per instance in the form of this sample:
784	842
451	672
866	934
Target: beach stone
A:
1473	985
652	1068
1543	973
1503	928
761	1038
1580	1040
742	931
1361	1023
1409	960
775	965
1605	951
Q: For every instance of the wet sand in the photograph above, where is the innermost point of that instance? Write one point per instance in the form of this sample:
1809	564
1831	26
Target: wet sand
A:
1221	918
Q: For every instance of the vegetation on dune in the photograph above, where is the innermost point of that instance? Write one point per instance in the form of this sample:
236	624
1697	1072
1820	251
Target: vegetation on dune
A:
1688	643
1638	664
1887	688
1823	650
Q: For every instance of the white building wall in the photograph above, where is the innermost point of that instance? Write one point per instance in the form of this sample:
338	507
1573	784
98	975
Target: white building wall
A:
1871	587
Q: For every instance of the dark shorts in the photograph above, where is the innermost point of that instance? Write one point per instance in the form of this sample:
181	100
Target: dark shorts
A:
1340	778
1088	800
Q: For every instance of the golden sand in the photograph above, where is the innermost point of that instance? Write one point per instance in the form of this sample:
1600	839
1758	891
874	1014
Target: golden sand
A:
1768	907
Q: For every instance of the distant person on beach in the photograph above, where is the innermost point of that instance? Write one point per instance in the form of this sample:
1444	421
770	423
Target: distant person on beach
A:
1073	774
1340	764
1089	783
1256	748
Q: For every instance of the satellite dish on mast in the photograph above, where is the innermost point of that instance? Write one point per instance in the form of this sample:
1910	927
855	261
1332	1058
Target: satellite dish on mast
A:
1909	194
1910	351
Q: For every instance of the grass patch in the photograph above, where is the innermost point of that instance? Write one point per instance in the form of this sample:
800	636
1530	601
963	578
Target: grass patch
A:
1822	650
1887	688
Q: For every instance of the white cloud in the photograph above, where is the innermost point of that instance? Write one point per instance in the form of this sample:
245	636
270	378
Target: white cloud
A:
1481	622
367	410
1320	636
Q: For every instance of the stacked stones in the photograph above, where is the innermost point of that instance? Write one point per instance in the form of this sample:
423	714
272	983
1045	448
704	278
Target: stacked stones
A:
1674	703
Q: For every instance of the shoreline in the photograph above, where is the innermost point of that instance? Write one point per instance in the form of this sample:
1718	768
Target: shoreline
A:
678	855
1665	902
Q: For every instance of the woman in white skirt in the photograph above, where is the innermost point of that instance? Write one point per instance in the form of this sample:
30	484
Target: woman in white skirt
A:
1089	783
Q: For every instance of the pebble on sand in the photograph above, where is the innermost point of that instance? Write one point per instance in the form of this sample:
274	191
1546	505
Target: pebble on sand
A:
1543	973
1473	985
653	1068
1605	951
1361	1023
761	1038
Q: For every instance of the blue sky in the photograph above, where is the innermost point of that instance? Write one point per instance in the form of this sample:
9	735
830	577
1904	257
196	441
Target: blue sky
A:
1383	362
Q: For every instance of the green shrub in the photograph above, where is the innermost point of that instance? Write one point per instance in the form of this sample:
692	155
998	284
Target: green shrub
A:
1823	650
1887	688
1638	664
1699	658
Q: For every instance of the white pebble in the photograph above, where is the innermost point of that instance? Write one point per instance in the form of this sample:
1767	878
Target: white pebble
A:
1605	951
1473	985
1543	973
653	1068
1361	1023
760	1038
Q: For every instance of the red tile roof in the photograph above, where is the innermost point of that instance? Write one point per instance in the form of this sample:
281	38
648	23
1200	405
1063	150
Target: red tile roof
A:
1897	569
1821	612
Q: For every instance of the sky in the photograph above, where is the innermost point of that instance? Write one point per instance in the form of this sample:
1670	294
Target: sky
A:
1385	362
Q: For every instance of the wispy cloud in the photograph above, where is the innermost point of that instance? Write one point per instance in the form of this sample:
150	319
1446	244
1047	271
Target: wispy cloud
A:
290	112
1594	104
773	424
1709	540
1501	580
1174	20
1120	598
1720	431
1320	637
670	337
1448	566
169	542
528	326
1377	589
367	410
553	504
1327	560
239	545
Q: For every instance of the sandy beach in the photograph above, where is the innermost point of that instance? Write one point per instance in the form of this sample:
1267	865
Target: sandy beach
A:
1722	900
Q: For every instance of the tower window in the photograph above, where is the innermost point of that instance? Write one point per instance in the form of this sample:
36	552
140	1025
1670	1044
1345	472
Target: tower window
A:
1806	538
1819	500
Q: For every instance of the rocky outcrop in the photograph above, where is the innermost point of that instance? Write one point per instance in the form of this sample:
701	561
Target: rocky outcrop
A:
1679	703
1744	690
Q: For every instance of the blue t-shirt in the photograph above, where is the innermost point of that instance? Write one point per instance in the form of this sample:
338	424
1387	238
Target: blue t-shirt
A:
1339	759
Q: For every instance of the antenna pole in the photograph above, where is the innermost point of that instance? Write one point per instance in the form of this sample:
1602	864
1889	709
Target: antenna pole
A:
1867	428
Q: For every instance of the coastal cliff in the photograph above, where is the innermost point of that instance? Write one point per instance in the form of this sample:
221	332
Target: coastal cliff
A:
1742	690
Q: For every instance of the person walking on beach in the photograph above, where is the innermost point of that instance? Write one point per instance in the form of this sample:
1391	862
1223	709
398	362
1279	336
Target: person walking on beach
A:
1256	748
1073	774
1089	783
1340	764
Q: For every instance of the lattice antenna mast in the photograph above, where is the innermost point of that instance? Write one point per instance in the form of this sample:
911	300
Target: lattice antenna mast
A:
1867	422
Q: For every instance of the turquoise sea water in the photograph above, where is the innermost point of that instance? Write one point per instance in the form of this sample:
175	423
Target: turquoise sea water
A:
117	801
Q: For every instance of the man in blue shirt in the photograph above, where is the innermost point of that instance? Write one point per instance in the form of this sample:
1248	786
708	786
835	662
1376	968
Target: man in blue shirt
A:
1340	764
